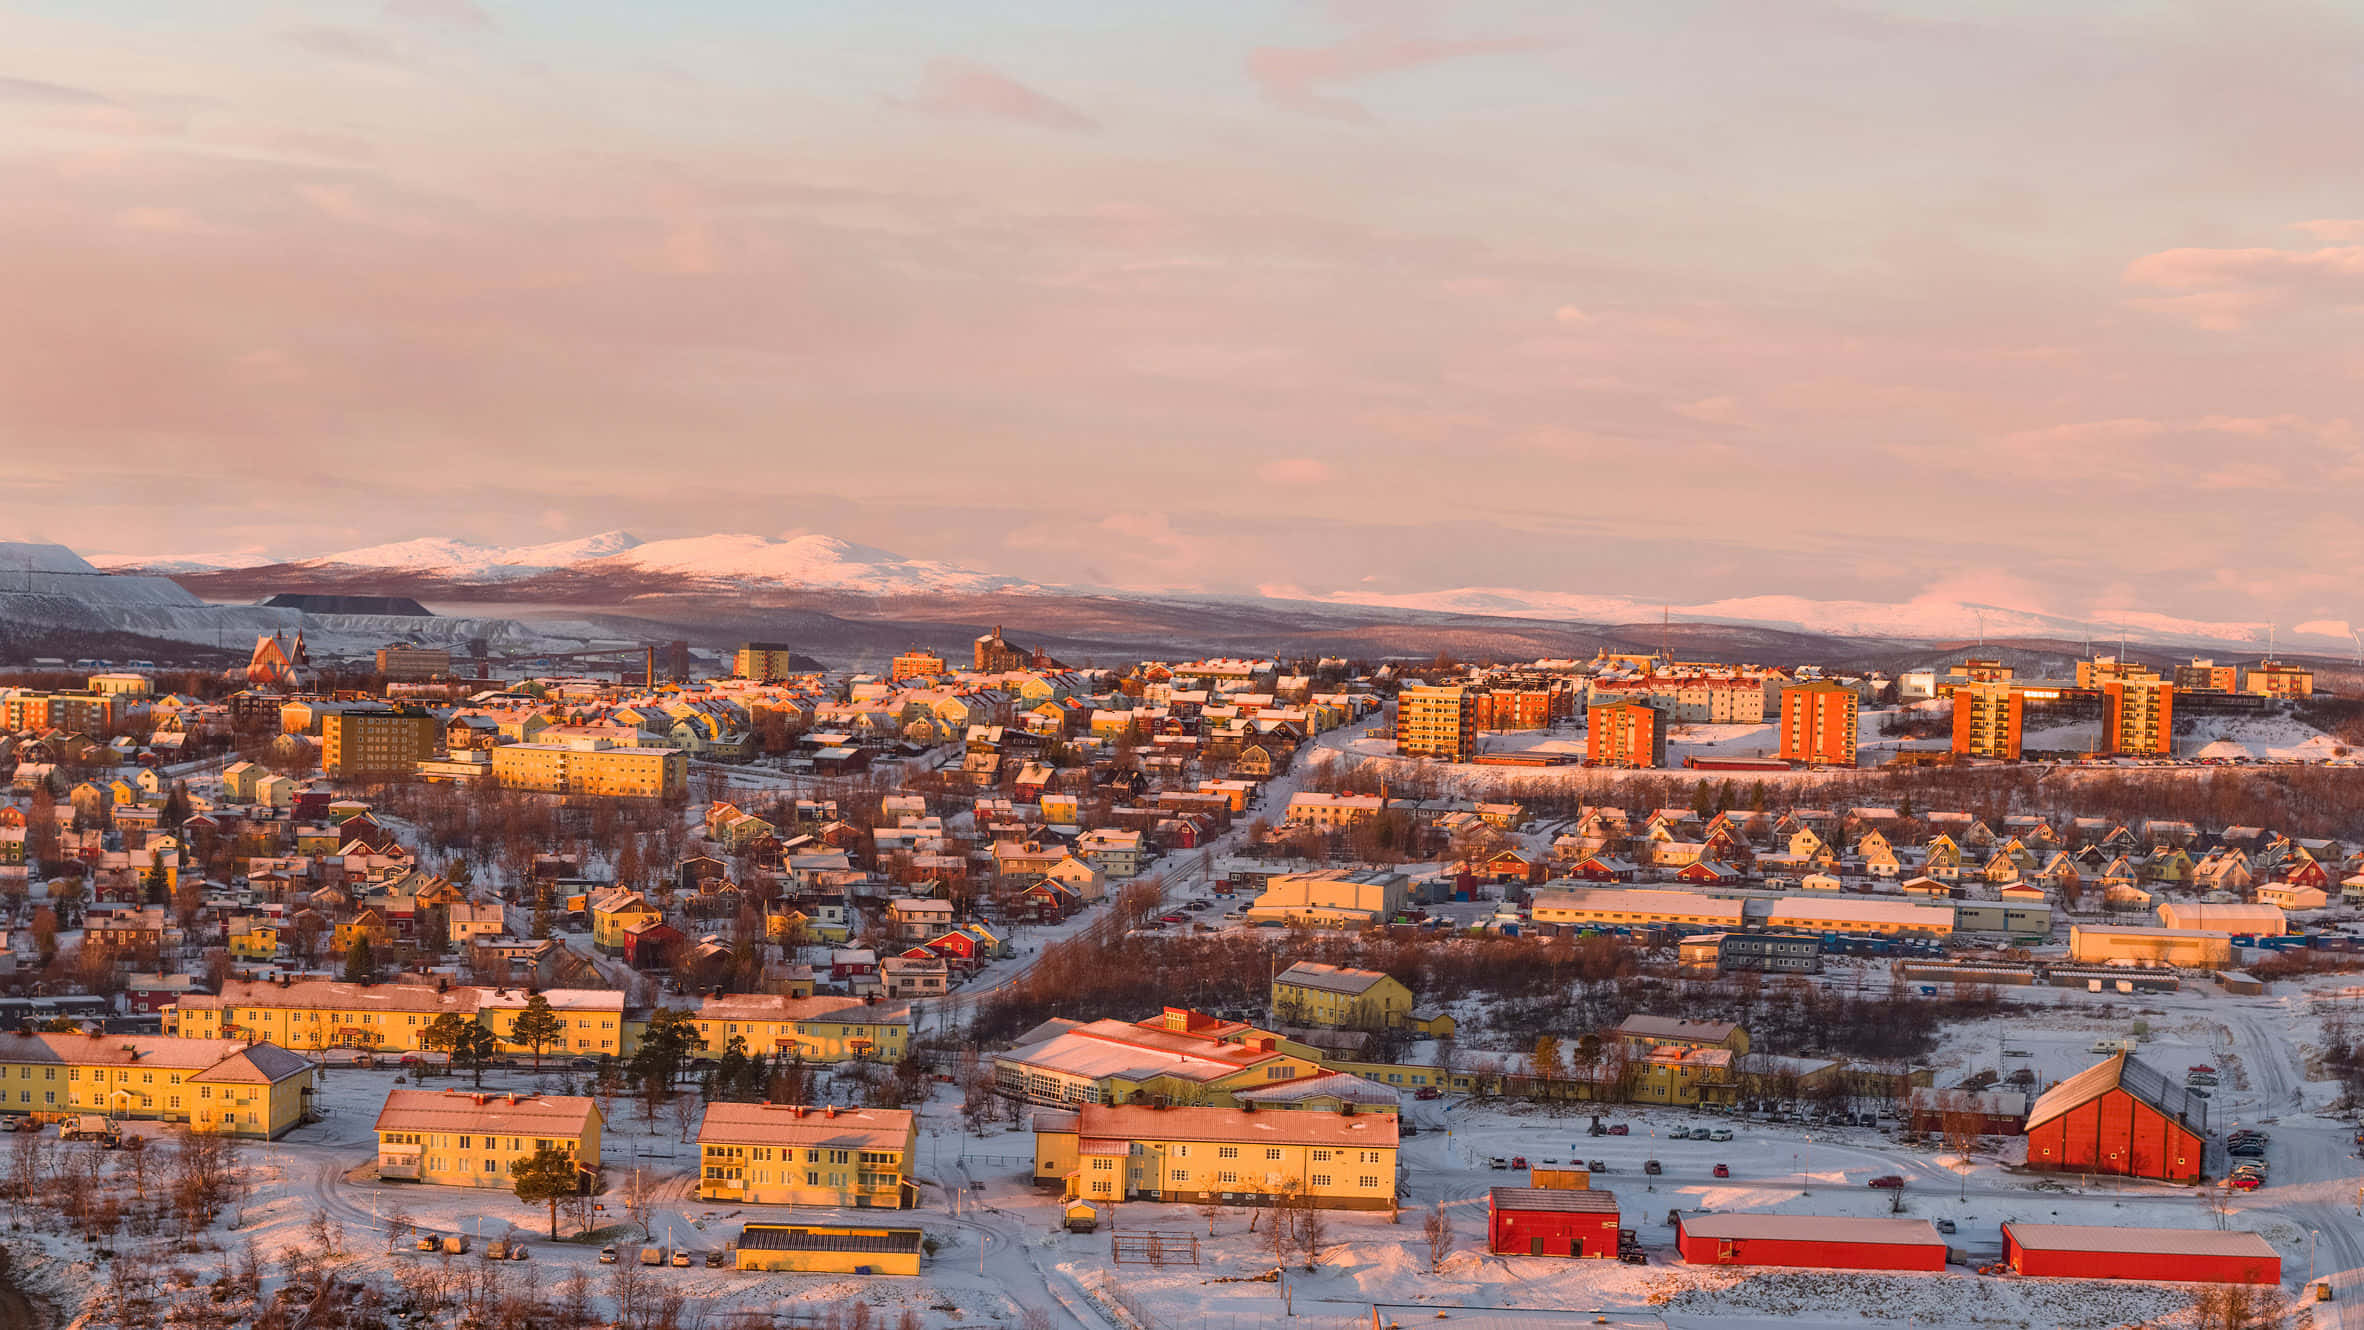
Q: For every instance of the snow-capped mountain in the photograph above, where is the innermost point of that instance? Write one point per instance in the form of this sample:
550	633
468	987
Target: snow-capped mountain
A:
1921	619
806	560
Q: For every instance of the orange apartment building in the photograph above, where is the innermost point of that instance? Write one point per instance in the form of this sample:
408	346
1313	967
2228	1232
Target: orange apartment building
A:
1513	708
2206	676
2137	717
1624	734
2272	678
376	742
1987	719
1438	722
915	664
1818	724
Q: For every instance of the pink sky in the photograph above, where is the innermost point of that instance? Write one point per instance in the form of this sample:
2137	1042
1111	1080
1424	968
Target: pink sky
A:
1684	301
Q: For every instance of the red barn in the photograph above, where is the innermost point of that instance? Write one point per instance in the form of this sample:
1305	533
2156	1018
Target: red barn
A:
2190	1255
1817	1241
2119	1117
1535	1221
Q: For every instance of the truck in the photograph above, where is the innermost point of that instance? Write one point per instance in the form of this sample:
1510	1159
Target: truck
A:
90	1127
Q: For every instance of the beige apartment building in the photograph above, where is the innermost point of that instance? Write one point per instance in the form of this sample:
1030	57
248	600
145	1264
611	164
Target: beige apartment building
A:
788	1154
1217	1156
461	1138
376	742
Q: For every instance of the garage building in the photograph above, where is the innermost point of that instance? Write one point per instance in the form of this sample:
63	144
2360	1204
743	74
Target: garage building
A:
2191	1255
2120	1117
830	1249
1538	1221
1817	1241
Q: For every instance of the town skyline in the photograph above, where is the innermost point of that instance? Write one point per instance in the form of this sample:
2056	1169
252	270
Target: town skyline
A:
1688	304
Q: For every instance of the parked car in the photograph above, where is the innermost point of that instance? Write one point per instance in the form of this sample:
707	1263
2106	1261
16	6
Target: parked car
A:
1497	1161
2244	1182
1651	1166
1518	1161
1619	1129
1426	1092
1720	1134
1723	1170
1888	1180
714	1259
1945	1226
607	1256
1679	1134
1597	1166
681	1256
1634	1256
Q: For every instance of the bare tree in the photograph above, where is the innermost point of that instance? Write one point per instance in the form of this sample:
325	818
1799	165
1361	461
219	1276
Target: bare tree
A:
1312	1225
1436	1228
640	1199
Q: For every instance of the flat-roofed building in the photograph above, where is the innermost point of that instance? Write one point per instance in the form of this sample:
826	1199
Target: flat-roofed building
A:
1617	906
2255	920
1333	896
829	1249
1217	1156
1818	724
1439	722
2273	678
2187	947
461	1138
792	1154
1987	720
816	1029
1624	734
2206	676
376	743
2137	717
401	664
592	767
1838	914
763	660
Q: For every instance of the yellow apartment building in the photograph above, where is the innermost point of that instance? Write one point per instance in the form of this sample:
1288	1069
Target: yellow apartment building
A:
312	1014
818	1029
592	767
1336	997
461	1138
1097	1153
214	1085
1439	722
593	1017
787	1154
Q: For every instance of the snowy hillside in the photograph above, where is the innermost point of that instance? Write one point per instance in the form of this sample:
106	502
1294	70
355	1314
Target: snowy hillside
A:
810	561
164	565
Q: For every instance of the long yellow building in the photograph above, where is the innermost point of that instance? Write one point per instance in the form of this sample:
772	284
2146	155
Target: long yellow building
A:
1227	1155
830	1249
1337	997
459	1138
214	1085
817	1029
784	1154
592	767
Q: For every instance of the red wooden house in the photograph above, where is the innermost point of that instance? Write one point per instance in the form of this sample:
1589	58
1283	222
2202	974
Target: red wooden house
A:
1604	868
1534	1221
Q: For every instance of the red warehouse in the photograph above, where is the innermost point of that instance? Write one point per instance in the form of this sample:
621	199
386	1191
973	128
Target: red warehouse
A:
2193	1255
2119	1117
1819	1241
1534	1221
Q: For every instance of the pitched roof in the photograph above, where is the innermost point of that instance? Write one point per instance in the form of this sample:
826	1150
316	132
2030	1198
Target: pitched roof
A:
1814	1228
798	1125
461	1110
1141	1122
2158	1241
1558	1199
2119	1071
1331	978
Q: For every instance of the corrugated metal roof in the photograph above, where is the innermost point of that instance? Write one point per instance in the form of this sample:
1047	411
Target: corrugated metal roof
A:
2152	1241
2121	1071
1814	1228
766	1237
1560	1200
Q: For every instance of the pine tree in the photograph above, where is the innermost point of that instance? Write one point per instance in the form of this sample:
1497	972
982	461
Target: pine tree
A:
537	1027
361	966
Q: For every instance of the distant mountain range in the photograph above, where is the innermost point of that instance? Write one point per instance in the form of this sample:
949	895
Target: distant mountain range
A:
812	562
622	565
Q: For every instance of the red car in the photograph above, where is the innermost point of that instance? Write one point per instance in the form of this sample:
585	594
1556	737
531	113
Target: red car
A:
2245	1182
1723	1170
1619	1129
1518	1161
1890	1181
1425	1092
1175	918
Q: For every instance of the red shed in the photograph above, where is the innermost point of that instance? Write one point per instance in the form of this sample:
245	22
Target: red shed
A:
2193	1255
1535	1221
1819	1241
2120	1117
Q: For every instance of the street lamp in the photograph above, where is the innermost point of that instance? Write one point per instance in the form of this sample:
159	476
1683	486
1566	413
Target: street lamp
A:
2311	1257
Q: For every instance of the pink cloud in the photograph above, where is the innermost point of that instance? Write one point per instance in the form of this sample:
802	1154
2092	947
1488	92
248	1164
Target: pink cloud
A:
961	88
2333	229
1294	471
1296	76
2224	289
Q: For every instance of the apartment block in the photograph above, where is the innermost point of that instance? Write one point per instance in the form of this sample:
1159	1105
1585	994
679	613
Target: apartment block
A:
2105	669
915	664
1624	734
1438	722
1336	997
1987	720
593	767
400	664
460	1138
763	660
227	1086
2137	717
2272	678
815	1029
785	1154
2206	676
1217	1156
1818	724
376	743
